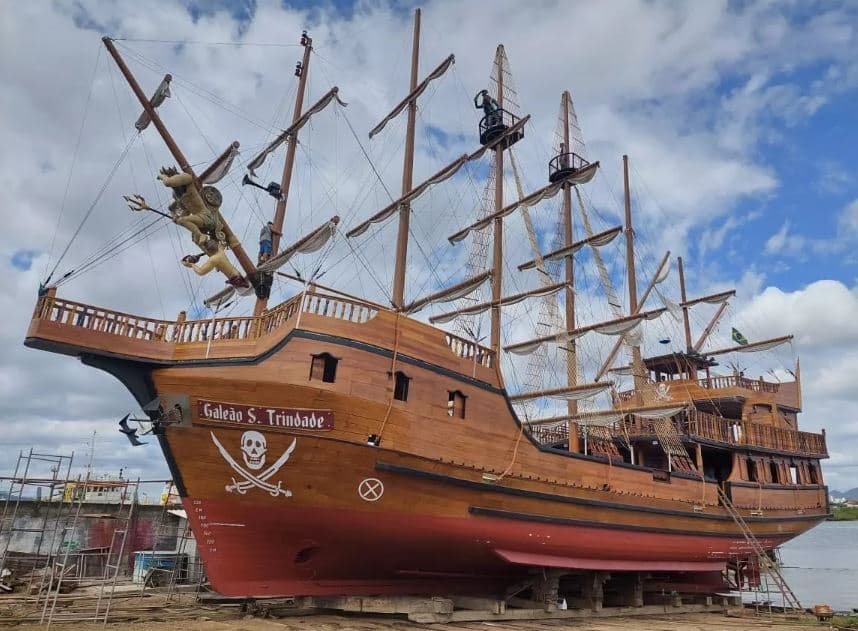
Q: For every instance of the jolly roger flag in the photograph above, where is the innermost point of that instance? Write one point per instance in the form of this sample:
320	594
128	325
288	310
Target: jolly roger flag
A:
740	339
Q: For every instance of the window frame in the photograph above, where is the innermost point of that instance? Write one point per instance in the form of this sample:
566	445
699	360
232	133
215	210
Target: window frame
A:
329	367
401	384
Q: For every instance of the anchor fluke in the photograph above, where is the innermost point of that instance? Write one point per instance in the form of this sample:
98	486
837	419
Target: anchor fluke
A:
130	432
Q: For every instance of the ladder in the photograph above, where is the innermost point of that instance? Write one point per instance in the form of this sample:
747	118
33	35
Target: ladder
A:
765	562
671	443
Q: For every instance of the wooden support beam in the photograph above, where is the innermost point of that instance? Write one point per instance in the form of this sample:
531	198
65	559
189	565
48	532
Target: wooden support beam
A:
708	330
407	176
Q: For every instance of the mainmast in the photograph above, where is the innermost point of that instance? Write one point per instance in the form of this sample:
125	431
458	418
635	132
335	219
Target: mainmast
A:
571	357
637	361
407	175
302	70
685	320
245	262
497	251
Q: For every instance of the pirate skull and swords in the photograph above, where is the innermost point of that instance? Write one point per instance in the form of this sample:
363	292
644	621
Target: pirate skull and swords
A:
254	449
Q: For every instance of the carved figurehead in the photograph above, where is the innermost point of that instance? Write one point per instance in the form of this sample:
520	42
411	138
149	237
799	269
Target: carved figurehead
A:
217	259
196	212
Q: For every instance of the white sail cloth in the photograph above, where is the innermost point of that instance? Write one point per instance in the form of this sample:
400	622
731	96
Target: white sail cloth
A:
447	172
420	89
579	177
311	244
161	94
217	172
259	160
762	346
549	290
451	294
584	393
597	241
609	328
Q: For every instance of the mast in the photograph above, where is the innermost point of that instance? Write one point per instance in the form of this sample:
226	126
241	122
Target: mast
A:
684	309
407	175
637	361
497	250
289	164
571	357
243	260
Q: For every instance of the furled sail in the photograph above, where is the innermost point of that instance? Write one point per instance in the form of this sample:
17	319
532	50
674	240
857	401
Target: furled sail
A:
322	103
220	167
485	306
597	241
420	89
618	326
576	177
570	393
459	290
311	243
607	417
754	347
447	172
161	93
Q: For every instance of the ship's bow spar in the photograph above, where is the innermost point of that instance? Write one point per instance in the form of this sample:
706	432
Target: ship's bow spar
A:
331	445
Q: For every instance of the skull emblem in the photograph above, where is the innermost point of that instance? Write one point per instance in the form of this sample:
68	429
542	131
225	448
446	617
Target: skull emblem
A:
253	449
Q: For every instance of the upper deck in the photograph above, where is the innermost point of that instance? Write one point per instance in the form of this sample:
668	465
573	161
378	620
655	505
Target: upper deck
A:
73	328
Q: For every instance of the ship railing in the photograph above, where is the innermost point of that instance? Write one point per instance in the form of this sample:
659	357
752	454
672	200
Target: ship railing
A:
750	434
737	381
99	320
339	308
467	349
228	329
704	426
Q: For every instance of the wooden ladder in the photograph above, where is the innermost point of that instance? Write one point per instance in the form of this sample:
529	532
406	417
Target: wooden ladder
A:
766	564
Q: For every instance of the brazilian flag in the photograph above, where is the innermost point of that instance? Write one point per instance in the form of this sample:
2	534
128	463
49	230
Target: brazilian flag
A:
740	339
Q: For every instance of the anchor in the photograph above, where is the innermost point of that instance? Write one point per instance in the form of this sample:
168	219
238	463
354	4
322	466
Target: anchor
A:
272	189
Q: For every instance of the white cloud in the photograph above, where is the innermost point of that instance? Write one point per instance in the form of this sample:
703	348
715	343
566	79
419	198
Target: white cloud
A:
782	242
848	221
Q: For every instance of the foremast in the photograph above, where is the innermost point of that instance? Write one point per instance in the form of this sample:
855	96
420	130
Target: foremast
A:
302	71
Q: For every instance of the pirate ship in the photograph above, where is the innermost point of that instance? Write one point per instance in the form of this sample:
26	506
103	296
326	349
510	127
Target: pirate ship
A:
331	444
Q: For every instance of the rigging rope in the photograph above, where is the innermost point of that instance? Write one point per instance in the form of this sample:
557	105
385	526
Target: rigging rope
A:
73	162
92	206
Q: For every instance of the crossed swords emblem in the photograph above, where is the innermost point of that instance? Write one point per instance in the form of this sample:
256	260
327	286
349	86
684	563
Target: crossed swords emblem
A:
250	480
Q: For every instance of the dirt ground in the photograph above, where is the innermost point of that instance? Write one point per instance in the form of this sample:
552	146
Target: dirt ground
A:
685	622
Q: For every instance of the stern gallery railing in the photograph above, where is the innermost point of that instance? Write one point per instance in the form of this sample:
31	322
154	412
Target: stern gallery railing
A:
241	328
701	425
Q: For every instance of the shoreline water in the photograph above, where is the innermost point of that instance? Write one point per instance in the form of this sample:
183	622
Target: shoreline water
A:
821	565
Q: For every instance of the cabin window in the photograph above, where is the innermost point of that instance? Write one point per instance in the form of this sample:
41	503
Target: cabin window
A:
774	470
811	470
400	386
323	367
456	404
793	474
752	470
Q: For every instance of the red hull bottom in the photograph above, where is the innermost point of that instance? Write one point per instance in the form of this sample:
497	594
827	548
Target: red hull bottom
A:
315	552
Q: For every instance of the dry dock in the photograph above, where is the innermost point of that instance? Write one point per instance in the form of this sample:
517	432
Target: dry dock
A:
685	622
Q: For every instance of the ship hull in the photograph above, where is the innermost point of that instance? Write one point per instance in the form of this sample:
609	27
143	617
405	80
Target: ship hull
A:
346	519
301	478
334	552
